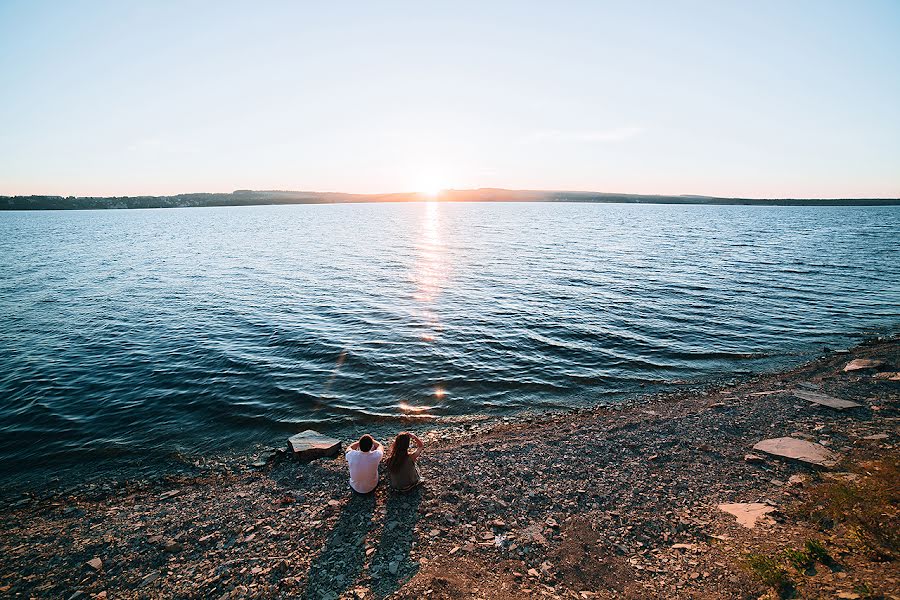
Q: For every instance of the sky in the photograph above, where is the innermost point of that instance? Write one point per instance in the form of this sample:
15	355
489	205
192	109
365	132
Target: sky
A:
753	99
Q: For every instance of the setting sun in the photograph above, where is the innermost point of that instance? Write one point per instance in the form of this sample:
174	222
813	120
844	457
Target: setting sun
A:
432	192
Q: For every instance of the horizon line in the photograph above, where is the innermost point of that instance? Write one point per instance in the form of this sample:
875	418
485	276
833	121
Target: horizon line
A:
436	196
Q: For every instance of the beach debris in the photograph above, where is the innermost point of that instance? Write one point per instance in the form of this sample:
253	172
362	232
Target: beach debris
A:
766	393
149	578
825	400
747	514
95	563
861	364
683	547
310	445
877	436
796	449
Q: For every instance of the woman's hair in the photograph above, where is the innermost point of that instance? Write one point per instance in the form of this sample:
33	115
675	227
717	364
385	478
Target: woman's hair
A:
399	452
366	442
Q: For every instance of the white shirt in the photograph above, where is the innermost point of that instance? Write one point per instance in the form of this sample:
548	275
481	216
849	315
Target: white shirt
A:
364	468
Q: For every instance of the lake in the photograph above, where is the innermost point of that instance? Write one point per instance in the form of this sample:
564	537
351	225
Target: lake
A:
134	334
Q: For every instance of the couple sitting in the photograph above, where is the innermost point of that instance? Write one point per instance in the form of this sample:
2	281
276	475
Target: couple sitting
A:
364	456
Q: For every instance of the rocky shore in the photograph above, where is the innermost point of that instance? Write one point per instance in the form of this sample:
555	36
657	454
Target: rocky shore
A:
628	501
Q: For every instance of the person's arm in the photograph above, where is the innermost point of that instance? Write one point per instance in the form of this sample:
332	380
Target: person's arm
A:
420	445
354	446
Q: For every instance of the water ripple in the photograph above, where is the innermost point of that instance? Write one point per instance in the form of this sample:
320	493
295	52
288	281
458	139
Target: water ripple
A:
140	333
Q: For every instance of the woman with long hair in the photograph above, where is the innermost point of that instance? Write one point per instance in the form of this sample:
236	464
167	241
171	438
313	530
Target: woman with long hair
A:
401	464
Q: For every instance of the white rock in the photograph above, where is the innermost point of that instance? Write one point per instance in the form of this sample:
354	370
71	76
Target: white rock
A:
825	400
859	364
747	513
309	445
808	452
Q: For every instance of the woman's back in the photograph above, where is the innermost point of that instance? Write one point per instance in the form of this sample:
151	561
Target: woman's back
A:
402	469
404	475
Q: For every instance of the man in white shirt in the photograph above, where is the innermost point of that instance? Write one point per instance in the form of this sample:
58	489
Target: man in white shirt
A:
363	458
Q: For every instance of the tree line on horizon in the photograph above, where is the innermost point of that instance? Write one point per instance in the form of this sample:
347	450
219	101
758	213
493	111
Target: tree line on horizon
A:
251	197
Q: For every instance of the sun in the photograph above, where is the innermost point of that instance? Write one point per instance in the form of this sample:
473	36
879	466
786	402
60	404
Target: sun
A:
432	191
429	183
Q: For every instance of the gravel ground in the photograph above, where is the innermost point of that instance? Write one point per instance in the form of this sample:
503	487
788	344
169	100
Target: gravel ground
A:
601	503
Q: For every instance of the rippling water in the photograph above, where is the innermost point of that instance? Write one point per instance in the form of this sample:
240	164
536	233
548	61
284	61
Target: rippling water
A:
138	332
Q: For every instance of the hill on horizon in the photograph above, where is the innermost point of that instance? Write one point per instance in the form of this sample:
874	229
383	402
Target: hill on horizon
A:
269	197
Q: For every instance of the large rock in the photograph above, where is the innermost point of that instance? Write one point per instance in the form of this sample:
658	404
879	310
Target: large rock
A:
825	400
747	513
309	445
860	364
888	376
808	452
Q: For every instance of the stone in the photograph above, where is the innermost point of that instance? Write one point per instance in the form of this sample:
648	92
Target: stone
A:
683	547
808	385
393	567
149	578
862	364
747	513
310	445
888	376
797	480
825	400
95	563
877	436
801	450
766	393
754	458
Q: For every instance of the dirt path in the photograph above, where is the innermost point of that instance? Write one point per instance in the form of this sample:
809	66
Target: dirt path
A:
604	503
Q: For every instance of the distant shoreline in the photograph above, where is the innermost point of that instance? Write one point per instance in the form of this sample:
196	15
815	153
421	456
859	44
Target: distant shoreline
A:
267	198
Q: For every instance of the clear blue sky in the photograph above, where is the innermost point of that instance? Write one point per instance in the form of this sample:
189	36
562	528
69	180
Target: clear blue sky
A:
772	98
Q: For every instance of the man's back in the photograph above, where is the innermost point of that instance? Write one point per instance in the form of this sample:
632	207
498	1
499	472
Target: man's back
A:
364	467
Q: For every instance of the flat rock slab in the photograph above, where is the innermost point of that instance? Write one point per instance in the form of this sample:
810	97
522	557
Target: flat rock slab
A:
825	400
808	452
860	364
888	375
747	513
309	445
